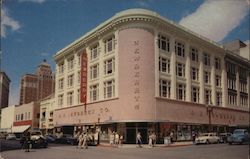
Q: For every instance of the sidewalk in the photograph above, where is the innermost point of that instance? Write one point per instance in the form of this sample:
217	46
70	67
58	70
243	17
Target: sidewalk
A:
175	144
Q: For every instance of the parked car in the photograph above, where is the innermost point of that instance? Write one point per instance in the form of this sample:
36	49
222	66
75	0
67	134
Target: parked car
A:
11	137
37	139
239	136
50	138
207	138
223	137
67	139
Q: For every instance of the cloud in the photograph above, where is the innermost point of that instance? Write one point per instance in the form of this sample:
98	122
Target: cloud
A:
215	19
8	22
14	96
35	1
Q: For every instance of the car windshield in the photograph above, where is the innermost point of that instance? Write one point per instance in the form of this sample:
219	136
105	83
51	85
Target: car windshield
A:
238	132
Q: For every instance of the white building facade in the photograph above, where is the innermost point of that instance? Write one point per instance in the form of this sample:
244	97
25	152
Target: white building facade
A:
7	119
146	73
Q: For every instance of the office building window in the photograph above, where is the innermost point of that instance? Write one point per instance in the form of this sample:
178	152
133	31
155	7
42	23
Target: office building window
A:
206	59
194	54
94	52
181	92
70	80
208	98
163	43
243	87
109	66
109	89
79	59
180	70
218	98
109	44
94	92
243	101
60	84
194	74
207	77
164	88
232	99
195	94
164	65
217	63
60	100
70	98
231	83
231	68
78	96
71	63
78	77
94	71
61	68
218	80
179	49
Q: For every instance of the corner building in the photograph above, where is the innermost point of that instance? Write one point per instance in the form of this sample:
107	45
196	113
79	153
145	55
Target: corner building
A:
138	71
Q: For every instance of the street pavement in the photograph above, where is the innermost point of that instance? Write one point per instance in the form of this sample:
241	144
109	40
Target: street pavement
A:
212	151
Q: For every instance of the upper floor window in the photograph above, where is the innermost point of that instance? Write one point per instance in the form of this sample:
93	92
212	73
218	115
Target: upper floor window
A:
78	96
181	92
94	92
94	52
180	49
180	70
207	77
79	59
70	80
243	73
218	80
70	63
109	44
195	74
243	100
231	68
231	83
195	94
164	88
164	65
109	66
78	77
61	68
163	43
218	98
194	54
94	71
208	96
232	99
217	63
60	84
109	89
60	100
243	87
70	98
206	59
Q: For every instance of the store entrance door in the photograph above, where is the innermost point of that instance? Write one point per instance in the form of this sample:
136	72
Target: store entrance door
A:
130	136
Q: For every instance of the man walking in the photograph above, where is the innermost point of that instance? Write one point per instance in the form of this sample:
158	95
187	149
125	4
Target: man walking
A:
138	138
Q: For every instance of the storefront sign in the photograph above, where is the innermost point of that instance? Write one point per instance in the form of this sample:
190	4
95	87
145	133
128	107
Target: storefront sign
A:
83	86
136	59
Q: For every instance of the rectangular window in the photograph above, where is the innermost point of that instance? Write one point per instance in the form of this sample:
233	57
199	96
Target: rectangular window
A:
109	44
206	59
232	99
71	63
208	98
243	87
60	84
194	54
70	98
180	70
217	63
78	96
164	65
78	77
79	59
164	88
231	68
181	92
231	83
243	101
218	80
180	49
94	71
207	77
109	66
94	52
28	115
195	94
94	92
70	80
195	74
109	89
163	43
218	98
60	100
61	68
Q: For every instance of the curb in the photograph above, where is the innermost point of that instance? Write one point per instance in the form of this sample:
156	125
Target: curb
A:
135	146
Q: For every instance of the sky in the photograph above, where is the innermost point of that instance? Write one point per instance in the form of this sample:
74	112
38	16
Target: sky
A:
33	30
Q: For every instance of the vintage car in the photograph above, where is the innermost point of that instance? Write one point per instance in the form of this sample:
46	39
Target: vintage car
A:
207	138
67	139
37	140
223	137
11	137
239	136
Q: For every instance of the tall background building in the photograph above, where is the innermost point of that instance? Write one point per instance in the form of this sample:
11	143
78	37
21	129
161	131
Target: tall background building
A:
37	86
4	89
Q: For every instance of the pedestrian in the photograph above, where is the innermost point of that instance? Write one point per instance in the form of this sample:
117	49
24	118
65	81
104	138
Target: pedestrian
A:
80	140
150	140
121	140
153	139
193	136
138	138
171	137
85	139
27	142
112	138
116	139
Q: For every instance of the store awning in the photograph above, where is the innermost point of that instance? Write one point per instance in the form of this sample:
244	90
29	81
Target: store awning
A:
20	129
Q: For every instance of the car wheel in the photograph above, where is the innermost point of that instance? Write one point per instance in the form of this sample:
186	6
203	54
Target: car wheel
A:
207	142
230	143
